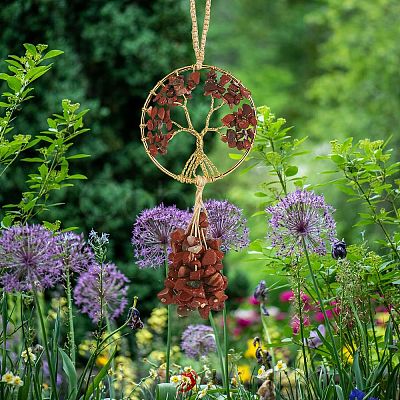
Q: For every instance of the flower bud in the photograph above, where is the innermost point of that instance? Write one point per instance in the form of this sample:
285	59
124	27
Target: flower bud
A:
339	249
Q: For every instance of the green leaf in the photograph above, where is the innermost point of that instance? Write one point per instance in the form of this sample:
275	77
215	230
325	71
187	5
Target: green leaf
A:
31	48
23	392
337	159
52	54
76	156
165	391
14	83
99	377
43	170
291	170
33	159
260	194
357	371
339	392
235	156
70	371
77	176
6	222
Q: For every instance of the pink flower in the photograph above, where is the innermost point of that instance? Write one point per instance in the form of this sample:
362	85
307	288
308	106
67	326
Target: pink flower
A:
237	331
245	318
295	323
253	301
286	296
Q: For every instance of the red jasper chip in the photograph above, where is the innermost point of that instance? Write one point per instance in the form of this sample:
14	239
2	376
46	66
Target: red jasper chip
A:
195	77
209	257
241	124
195	281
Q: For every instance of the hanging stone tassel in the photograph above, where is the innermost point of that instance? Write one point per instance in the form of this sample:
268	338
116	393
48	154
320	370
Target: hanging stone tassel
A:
195	280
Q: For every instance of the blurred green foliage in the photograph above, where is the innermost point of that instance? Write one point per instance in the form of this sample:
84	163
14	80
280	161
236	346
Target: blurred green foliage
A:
114	53
330	67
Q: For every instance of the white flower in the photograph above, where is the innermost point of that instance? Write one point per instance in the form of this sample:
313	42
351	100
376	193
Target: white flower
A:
280	366
28	355
263	374
8	378
17	381
202	393
176	379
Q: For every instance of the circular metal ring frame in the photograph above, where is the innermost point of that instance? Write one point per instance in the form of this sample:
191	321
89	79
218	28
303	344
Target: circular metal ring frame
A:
153	92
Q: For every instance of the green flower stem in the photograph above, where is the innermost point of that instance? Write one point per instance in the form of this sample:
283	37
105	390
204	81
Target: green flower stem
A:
219	347
267	335
321	303
72	345
228	395
110	352
36	384
46	348
98	350
4	347
169	328
302	333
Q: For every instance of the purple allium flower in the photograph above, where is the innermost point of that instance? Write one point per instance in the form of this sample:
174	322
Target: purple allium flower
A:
76	254
101	283
198	340
314	341
301	215
228	224
30	258
356	394
151	234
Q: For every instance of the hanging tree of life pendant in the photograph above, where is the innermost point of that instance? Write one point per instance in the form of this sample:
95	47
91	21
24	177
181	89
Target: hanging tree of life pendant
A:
227	112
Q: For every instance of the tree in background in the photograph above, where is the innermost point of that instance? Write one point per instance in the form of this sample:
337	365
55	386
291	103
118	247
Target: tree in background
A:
115	51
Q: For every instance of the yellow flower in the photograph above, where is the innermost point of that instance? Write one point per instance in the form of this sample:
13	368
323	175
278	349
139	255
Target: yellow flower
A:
244	373
251	350
158	320
8	378
280	366
143	337
347	354
28	355
101	360
17	381
157	355
382	318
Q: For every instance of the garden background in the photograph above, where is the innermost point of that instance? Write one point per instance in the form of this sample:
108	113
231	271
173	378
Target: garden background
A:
329	67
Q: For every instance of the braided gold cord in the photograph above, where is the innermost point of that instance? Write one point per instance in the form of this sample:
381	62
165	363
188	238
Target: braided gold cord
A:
195	229
199	50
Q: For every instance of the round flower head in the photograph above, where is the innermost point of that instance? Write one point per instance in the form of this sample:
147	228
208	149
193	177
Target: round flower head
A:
198	340
101	284
151	234
301	215
228	224
30	258
76	254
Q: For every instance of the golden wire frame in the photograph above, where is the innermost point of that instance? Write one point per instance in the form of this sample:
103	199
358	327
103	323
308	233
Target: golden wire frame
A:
180	177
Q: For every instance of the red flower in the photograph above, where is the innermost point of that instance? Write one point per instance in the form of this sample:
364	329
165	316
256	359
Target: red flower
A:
189	383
